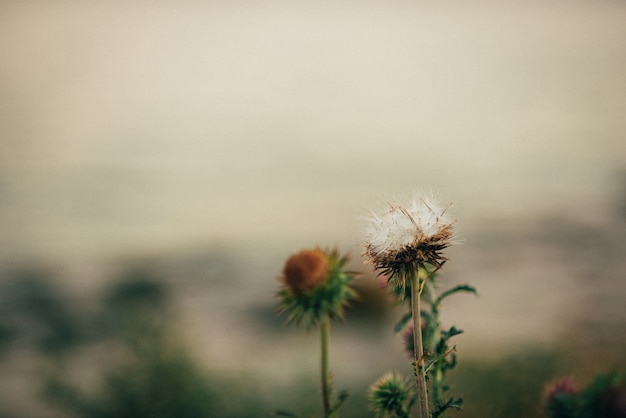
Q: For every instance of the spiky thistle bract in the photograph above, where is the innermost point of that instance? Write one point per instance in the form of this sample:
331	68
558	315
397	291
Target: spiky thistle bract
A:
390	396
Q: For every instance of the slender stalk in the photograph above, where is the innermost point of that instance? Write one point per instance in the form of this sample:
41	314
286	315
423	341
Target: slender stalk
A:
325	336
420	373
435	331
434	328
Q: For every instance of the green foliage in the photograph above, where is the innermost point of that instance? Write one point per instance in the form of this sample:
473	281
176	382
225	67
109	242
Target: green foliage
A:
157	379
509	387
402	323
563	405
137	290
457	289
8	334
149	375
135	308
341	398
165	385
35	310
605	397
443	360
282	413
451	403
162	384
439	356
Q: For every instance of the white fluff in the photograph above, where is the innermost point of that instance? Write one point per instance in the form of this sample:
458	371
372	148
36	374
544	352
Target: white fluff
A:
400	226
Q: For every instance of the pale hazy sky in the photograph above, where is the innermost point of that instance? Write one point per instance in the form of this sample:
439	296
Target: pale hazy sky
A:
149	126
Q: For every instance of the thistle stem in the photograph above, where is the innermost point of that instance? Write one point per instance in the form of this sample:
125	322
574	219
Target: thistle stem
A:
437	382
420	373
325	336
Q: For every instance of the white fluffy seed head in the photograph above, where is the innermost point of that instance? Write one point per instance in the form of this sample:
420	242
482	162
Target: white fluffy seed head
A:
401	226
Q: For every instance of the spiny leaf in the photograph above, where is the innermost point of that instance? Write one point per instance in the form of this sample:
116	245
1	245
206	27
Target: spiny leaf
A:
446	335
452	403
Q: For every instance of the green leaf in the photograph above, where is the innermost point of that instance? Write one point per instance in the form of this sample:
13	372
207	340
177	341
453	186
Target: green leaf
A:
449	364
446	335
460	288
343	395
402	322
452	403
442	345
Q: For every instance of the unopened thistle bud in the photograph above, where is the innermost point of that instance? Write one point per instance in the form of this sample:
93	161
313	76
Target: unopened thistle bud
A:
389	396
402	239
314	285
306	270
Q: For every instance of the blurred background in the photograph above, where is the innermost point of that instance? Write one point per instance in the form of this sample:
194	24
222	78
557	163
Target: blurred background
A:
159	161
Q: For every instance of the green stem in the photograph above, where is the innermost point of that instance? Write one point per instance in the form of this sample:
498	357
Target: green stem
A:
433	327
325	336
438	385
420	373
435	332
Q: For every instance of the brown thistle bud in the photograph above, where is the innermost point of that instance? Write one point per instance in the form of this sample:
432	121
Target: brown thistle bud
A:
305	270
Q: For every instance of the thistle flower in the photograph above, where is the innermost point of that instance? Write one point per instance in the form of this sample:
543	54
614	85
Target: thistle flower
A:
561	386
315	289
389	395
405	244
315	286
561	398
605	396
402	239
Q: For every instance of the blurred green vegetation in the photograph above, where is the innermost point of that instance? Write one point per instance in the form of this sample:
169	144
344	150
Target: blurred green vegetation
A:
509	387
141	366
33	309
148	372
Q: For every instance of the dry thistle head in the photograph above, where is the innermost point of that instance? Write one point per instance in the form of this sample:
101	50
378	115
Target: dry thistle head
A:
305	270
402	239
315	286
